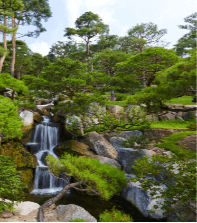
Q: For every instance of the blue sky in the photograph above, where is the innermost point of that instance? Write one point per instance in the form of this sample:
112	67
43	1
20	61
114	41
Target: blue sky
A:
119	15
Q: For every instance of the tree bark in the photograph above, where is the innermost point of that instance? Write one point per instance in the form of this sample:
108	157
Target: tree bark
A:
14	46
19	72
92	68
40	216
4	44
112	96
143	81
87	50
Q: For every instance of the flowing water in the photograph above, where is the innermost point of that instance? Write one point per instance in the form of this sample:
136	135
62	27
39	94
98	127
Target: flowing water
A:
44	140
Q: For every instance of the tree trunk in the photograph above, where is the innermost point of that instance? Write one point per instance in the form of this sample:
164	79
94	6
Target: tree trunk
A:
4	45
13	92
40	216
112	96
92	68
13	54
38	72
19	72
87	50
150	80
14	46
143	81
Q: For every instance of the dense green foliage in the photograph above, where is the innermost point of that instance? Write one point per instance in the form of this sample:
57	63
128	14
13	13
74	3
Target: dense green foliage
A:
10	123
100	179
178	175
115	216
141	141
11	186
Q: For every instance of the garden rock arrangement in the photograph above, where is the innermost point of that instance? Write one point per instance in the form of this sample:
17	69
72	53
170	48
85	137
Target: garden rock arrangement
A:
70	212
134	194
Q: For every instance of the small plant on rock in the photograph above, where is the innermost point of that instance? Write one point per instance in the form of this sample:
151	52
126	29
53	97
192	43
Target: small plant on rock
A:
136	142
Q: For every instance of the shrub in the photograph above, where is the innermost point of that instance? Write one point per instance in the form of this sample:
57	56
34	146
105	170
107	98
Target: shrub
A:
120	97
142	142
11	185
115	216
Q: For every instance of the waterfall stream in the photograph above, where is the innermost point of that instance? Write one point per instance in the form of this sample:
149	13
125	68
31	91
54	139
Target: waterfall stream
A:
44	140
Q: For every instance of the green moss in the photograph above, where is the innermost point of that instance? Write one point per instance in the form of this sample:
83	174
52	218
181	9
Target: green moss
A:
171	143
27	177
23	158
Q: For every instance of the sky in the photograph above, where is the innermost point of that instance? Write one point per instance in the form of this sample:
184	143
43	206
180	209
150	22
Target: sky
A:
119	15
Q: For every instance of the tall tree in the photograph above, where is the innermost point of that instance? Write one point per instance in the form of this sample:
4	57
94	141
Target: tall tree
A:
149	62
32	14
88	26
7	9
108	60
188	41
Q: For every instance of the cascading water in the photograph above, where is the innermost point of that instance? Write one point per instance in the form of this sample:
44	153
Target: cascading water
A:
44	140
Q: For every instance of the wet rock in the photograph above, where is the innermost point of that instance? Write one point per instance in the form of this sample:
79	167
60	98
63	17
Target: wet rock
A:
37	117
69	212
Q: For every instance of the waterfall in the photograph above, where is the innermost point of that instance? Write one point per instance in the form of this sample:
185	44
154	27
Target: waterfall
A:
44	140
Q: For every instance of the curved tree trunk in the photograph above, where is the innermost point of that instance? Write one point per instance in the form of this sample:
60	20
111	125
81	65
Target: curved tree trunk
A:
4	44
40	216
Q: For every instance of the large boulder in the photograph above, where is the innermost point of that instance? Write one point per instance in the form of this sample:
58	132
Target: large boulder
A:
27	117
66	213
100	145
24	208
128	156
117	142
73	147
73	125
94	108
144	202
116	109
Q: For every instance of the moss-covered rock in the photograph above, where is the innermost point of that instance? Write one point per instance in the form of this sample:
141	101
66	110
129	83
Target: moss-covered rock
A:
27	134
23	158
56	118
37	117
27	177
73	147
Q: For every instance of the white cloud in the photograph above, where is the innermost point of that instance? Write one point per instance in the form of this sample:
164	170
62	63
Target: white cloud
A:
73	7
40	47
107	16
98	3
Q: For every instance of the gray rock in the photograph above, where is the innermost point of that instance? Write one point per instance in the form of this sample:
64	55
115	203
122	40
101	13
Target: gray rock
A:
27	117
122	134
66	213
100	145
107	160
117	142
115	109
185	116
76	123
167	116
128	156
134	194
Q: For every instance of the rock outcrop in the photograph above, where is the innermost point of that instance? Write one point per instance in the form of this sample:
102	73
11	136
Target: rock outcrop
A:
100	145
66	213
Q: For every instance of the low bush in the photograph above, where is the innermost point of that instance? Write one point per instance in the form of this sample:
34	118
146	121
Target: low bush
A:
115	216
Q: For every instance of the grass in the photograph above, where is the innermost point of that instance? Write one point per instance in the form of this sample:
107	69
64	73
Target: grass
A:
184	100
170	143
172	124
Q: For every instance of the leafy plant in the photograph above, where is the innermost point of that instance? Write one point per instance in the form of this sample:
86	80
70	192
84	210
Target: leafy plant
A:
120	97
115	216
10	123
178	175
11	185
141	141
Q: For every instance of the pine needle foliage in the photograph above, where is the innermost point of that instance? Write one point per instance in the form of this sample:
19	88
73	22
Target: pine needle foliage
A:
99	179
